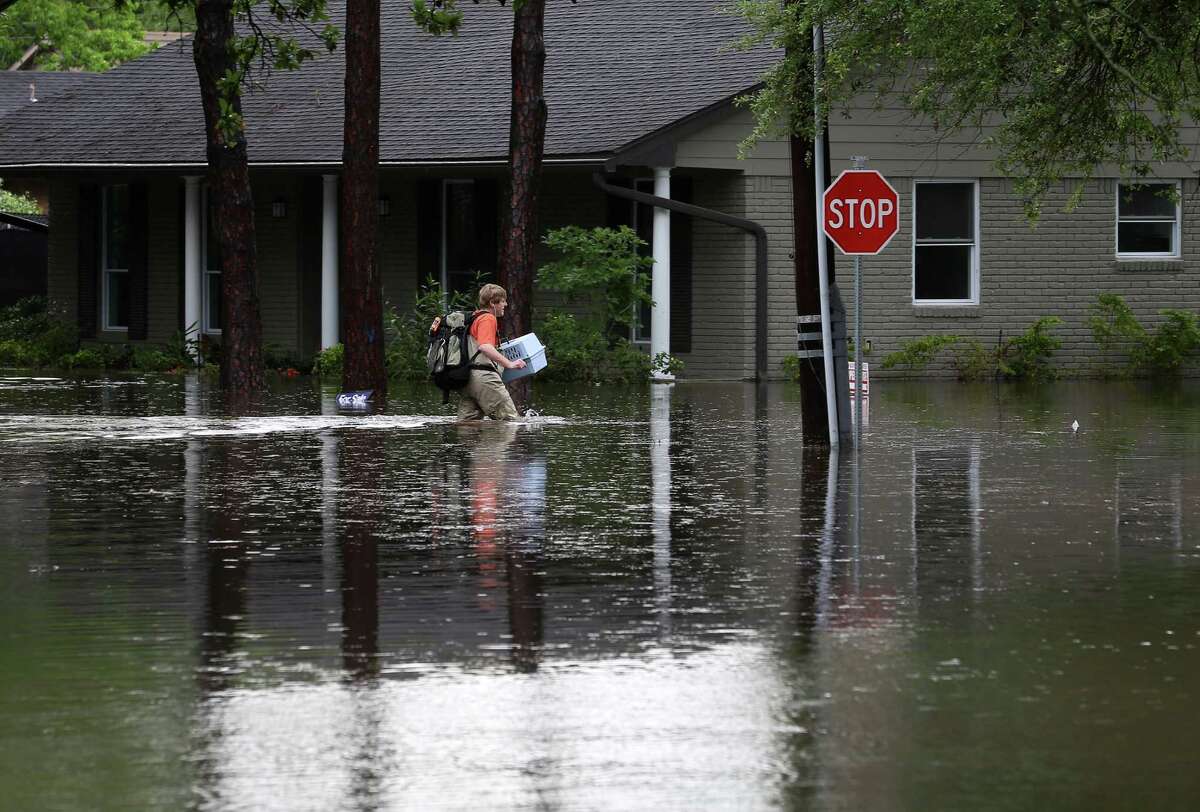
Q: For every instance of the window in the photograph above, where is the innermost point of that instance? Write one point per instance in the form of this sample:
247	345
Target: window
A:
211	292
114	282
946	244
1148	220
458	236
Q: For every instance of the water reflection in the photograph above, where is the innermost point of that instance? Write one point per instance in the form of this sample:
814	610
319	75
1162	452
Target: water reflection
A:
946	514
663	595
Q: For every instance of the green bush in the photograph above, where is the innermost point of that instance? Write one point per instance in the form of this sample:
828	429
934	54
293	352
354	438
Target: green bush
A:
599	265
1027	356
1158	354
919	353
407	332
1024	357
329	361
85	358
151	359
34	334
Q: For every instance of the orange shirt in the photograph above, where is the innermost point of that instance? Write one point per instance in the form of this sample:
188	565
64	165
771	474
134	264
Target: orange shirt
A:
485	329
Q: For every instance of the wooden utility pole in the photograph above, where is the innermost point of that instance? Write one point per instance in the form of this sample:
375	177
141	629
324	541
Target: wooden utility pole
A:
814	415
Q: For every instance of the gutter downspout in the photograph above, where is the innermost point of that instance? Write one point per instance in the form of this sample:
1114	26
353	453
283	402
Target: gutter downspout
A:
760	255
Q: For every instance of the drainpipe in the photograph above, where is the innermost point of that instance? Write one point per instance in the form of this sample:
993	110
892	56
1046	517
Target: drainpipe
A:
760	255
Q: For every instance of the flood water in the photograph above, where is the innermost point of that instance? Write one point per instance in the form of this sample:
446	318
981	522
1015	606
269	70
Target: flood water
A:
654	598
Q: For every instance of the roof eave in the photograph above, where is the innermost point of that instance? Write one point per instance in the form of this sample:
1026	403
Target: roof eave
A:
658	148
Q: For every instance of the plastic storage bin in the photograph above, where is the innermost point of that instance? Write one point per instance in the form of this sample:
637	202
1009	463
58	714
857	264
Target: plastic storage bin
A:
528	349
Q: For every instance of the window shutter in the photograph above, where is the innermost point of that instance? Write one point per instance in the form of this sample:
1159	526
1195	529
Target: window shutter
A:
429	230
681	269
487	226
88	258
139	262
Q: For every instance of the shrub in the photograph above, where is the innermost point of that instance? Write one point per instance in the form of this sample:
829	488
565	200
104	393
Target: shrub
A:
151	359
329	361
1161	353
1027	356
86	358
407	332
602	264
574	351
919	353
1024	357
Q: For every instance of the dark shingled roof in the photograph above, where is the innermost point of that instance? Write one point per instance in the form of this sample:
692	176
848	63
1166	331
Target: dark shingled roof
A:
616	70
14	87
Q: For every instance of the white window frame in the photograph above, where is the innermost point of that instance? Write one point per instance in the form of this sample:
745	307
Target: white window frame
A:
445	269
973	299
105	271
206	327
1176	230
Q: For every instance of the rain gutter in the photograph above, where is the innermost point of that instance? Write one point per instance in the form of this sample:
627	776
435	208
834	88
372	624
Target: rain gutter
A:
760	255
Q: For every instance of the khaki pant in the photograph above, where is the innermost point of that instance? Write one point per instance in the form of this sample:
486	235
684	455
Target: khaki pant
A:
486	396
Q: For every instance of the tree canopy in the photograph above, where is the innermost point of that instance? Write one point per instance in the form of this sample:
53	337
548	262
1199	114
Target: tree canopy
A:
1064	86
15	203
92	35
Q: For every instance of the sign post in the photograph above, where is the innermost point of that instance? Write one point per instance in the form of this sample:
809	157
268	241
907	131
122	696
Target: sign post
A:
860	214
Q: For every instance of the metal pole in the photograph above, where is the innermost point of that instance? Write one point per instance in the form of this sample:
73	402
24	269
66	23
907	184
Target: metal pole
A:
858	381
822	247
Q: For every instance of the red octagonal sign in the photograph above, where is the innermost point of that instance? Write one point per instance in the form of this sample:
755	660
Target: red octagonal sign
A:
861	212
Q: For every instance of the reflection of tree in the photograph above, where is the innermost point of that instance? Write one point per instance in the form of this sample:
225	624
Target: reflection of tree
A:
228	564
227	569
360	517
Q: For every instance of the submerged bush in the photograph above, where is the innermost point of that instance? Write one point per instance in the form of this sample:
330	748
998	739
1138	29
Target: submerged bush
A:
1158	354
329	361
1023	357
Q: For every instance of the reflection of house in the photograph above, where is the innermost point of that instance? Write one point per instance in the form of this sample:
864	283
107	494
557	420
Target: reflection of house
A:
644	90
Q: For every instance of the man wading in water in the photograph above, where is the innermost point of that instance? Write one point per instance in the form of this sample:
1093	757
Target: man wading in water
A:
485	394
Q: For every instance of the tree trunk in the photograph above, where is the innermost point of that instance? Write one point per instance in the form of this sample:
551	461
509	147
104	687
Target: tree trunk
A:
526	144
361	288
233	211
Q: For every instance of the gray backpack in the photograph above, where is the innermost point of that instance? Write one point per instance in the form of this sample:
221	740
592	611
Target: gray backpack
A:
452	352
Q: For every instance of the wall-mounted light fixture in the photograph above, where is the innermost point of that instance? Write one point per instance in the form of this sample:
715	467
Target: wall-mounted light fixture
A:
279	207
385	206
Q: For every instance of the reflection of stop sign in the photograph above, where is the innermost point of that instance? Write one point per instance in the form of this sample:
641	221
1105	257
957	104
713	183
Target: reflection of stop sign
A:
862	212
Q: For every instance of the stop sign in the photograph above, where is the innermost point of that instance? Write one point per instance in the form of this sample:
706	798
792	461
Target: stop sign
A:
861	212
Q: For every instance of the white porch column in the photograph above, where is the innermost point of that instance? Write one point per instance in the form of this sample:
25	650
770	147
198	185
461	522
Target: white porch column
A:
193	273
329	263
660	289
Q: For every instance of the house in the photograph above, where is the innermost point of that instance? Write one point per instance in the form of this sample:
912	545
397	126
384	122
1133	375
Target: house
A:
23	239
643	91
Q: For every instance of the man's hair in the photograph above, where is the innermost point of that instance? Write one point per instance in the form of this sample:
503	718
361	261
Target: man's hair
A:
489	294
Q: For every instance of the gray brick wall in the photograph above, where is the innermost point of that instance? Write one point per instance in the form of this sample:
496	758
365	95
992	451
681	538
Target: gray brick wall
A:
1054	269
722	294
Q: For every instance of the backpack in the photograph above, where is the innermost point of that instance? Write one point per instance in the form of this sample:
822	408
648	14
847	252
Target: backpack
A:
452	352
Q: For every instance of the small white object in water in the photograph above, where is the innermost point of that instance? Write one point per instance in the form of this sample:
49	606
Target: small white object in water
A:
1074	425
